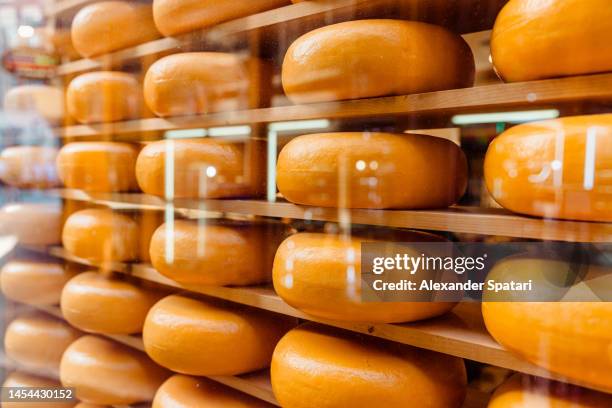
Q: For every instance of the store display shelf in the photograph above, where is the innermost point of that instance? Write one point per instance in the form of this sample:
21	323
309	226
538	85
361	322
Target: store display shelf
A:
510	96
458	219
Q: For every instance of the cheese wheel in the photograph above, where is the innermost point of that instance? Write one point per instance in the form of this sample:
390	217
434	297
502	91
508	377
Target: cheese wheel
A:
537	39
311	273
316	366
44	100
370	170
521	391
179	16
103	371
112	25
38	341
183	391
95	303
210	254
204	168
209	338
555	168
20	380
104	96
98	166
101	235
197	82
355	59
33	282
29	166
32	223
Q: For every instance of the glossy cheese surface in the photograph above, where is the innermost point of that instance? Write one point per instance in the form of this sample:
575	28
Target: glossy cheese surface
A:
315	366
356	59
371	170
537	39
29	166
19	379
32	223
554	169
208	338
34	282
44	100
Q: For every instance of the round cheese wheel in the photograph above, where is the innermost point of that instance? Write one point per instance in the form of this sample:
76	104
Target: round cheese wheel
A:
112	25
369	170
105	372
197	82
320	275
32	223
316	366
179	16
354	59
208	338
98	166
521	391
210	254
95	303
38	341
34	282
555	168
20	380
44	100
101	235
104	96
204	168
29	166
183	391
536	39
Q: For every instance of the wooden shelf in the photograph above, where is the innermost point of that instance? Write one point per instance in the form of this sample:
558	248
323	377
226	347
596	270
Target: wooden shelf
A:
471	220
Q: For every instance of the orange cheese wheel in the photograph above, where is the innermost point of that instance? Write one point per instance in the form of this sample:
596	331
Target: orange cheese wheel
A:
316	366
370	170
320	274
34	282
179	16
44	100
37	342
101	235
183	391
95	303
98	166
536	39
208	338
112	25
32	224
211	254
204	168
29	166
19	380
355	59
521	391
555	168
104	96
105	372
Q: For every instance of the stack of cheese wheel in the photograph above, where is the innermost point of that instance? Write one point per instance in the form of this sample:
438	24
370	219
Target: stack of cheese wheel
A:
183	391
320	274
316	366
556	168
179	16
191	252
523	391
32	224
112	25
320	65
21	380
536	39
35	282
38	341
95	303
29	166
211	338
105	372
369	170
203	168
98	166
46	101
104	96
